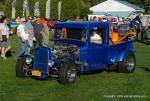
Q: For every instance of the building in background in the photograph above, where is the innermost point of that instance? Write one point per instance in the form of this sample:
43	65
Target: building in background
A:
115	8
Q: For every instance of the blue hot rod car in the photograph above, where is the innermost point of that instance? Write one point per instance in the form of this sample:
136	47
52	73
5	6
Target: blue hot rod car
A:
75	53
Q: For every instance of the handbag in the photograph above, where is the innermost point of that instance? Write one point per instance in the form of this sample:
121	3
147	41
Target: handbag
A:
4	38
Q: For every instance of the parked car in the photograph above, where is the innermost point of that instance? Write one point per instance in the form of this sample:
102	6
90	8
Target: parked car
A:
74	54
52	22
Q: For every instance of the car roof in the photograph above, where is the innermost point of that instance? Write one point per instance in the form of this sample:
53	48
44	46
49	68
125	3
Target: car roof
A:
82	24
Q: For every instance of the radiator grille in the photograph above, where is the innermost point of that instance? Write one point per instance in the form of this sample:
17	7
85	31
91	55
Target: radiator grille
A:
41	57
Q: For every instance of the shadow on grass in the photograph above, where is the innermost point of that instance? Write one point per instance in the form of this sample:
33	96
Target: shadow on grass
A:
146	42
94	72
100	71
147	69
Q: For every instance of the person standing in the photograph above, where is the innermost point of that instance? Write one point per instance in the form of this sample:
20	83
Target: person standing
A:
4	37
38	30
29	26
144	27
45	32
23	34
136	24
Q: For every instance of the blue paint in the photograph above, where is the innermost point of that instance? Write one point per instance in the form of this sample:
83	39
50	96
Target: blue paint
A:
97	56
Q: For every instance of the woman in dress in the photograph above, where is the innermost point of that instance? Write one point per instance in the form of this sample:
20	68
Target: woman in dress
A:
4	37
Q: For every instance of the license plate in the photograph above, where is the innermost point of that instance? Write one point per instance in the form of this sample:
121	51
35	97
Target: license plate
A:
36	73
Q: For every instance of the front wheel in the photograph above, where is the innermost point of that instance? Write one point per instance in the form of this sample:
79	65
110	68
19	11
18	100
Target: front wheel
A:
67	74
22	68
128	64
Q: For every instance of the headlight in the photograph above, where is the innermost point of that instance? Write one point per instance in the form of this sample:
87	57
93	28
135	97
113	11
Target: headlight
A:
28	60
50	63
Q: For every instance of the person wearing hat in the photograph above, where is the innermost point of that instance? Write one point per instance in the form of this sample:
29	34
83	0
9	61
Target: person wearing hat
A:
23	34
38	30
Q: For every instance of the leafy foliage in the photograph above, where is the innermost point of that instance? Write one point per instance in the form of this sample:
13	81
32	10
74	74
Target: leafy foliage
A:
69	8
1	5
142	3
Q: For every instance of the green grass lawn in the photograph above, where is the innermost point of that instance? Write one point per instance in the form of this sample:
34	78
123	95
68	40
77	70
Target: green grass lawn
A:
94	87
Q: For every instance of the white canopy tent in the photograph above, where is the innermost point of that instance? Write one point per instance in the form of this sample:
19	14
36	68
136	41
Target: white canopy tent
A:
115	8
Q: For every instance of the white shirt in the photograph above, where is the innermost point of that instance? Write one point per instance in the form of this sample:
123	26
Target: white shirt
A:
96	37
22	30
145	22
4	29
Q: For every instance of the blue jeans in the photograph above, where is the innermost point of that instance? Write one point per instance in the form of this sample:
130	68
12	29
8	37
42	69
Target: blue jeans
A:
144	34
24	49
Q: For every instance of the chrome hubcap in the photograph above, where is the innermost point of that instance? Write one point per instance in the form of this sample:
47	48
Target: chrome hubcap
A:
25	69
130	64
71	74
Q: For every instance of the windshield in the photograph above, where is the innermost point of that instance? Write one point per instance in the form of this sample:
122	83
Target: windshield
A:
71	34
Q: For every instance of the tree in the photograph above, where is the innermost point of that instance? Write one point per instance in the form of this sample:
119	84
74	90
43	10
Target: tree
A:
142	3
69	8
94	2
2	5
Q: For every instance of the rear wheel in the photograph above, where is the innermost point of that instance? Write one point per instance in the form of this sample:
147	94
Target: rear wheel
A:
128	64
22	68
67	74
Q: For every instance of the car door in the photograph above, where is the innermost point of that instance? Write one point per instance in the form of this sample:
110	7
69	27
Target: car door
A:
98	53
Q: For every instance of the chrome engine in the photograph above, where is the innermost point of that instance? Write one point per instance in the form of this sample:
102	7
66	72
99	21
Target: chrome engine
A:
64	50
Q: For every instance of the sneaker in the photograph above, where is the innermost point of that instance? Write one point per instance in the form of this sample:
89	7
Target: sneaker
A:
1	55
4	58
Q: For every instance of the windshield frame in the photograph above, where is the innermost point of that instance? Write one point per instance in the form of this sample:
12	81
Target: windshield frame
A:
69	39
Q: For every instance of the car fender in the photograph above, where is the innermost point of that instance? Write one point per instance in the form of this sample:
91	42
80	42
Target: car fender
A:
119	56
